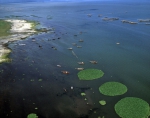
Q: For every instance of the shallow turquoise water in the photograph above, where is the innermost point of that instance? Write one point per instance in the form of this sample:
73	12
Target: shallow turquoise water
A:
127	62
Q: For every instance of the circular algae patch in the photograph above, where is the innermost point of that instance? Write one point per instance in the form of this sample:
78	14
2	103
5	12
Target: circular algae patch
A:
132	107
112	88
102	102
32	115
90	74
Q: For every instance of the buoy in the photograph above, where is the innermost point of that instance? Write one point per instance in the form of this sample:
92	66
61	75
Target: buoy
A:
71	87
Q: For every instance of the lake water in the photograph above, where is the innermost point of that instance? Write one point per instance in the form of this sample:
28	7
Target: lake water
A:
32	82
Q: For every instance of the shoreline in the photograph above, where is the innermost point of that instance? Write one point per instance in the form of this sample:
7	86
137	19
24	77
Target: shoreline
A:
20	29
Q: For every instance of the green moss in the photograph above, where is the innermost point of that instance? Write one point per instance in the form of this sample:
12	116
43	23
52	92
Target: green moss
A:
4	28
32	115
90	74
131	107
102	102
112	88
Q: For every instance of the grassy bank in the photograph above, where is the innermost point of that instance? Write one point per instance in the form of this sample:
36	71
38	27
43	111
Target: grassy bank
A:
4	28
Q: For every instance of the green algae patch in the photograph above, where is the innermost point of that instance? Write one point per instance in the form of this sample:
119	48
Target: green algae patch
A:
132	107
32	115
102	102
112	88
83	94
90	74
40	80
4	28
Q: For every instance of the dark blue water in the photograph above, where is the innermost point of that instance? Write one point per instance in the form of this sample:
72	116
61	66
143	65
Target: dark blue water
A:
22	93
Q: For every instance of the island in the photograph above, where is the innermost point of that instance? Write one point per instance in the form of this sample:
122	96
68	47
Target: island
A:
12	30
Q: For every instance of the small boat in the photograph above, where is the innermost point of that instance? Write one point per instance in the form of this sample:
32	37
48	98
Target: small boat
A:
93	62
54	48
133	22
147	23
69	48
80	40
79	68
89	15
58	65
99	15
65	72
125	21
74	44
80	63
79	46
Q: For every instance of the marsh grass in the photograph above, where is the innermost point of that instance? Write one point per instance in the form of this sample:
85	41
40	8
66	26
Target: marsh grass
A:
4	28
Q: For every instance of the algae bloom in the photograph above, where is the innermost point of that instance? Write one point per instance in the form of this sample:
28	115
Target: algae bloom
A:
132	107
90	74
112	88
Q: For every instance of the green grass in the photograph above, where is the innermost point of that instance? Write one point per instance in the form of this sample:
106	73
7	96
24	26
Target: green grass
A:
4	28
90	74
131	107
112	89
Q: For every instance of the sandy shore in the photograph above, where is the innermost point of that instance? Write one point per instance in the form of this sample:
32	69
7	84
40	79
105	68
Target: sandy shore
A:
20	29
